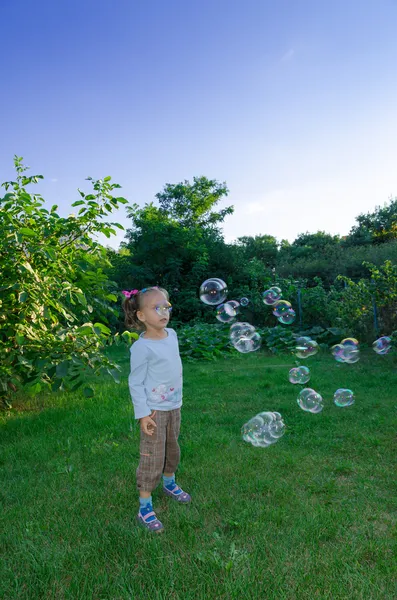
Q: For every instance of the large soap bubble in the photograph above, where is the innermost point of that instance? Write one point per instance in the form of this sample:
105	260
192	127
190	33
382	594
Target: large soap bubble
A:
299	375
287	317
225	313
344	397
213	291
264	429
310	400
382	345
347	351
272	295
305	347
281	307
244	337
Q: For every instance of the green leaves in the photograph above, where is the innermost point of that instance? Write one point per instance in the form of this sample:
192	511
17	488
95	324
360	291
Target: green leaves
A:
53	285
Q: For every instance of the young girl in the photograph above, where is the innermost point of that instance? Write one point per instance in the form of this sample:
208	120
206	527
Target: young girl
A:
155	383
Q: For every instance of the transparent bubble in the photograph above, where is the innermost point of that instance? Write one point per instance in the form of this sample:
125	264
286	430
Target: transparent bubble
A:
240	329
213	291
299	375
244	337
276	290
244	302
346	352
235	304
225	313
305	347
310	400
264	429
382	345
350	342
271	296
246	344
281	307
344	397
288	317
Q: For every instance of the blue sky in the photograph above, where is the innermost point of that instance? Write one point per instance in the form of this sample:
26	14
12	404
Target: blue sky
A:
293	104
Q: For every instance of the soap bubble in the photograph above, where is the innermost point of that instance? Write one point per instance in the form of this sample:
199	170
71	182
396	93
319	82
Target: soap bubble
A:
213	291
382	345
288	317
281	307
305	347
235	304
272	295
244	302
264	429
240	329
310	400
350	342
299	375
347	351
225	313
344	397
244	337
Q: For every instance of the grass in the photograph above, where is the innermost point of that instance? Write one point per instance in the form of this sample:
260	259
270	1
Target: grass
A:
313	516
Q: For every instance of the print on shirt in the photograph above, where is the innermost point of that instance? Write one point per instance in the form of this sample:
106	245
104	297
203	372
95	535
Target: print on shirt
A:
161	393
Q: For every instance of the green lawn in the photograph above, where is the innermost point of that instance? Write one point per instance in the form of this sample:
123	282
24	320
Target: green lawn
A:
313	516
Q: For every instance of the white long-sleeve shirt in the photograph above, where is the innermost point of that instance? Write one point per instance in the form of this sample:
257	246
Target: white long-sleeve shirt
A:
155	380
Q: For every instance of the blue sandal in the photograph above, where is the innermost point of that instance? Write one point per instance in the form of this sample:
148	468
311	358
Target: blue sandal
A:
174	491
145	518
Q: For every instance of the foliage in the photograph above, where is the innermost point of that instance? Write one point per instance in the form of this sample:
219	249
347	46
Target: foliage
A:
52	284
377	227
204	341
279	339
191	204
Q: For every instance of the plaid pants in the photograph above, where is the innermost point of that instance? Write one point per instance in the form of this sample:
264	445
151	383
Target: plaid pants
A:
160	452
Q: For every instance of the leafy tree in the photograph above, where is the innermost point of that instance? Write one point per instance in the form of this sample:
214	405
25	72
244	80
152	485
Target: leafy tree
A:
377	227
191	204
171	244
261	247
52	283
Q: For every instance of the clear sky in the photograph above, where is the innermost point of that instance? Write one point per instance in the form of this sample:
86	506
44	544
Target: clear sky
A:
292	103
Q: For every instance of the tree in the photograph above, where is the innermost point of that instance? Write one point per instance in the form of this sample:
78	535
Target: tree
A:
171	244
262	247
377	227
191	204
52	282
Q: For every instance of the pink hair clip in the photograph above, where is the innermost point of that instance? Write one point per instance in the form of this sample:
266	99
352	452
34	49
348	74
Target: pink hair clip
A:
129	294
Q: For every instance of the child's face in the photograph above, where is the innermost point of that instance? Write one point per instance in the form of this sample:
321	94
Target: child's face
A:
155	311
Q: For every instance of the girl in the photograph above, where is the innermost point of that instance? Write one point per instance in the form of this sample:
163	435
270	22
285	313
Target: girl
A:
155	383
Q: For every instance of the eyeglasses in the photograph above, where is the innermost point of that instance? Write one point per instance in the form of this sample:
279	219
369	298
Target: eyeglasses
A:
163	309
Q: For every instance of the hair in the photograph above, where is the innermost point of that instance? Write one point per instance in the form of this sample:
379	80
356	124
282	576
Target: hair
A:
134	303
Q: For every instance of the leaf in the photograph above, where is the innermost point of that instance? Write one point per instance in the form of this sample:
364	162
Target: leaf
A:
34	389
115	374
101	328
56	385
88	392
62	369
22	296
78	203
50	253
27	232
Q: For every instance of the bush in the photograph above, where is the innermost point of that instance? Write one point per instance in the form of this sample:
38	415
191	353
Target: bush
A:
204	341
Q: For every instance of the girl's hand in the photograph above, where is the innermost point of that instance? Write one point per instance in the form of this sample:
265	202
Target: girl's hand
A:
147	424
